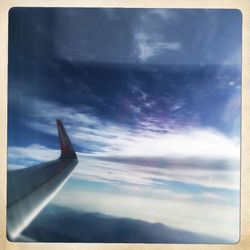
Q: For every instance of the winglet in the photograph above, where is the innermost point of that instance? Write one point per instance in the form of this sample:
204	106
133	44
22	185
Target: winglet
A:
67	150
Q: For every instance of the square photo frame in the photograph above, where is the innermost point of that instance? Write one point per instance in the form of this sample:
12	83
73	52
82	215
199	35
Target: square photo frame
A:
129	118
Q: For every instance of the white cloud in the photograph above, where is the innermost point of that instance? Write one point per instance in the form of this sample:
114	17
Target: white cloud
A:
197	143
138	174
165	14
33	152
121	141
138	187
16	166
192	155
211	196
149	45
98	170
149	35
220	221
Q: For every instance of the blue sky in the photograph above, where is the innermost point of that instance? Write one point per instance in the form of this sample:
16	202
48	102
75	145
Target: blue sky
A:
151	100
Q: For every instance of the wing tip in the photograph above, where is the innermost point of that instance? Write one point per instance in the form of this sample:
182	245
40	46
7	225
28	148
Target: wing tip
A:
67	150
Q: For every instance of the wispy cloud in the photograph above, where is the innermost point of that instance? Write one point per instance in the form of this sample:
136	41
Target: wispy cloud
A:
191	155
147	172
144	162
150	45
165	14
34	152
150	39
144	140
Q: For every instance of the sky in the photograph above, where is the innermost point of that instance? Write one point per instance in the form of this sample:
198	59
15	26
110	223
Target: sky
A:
151	101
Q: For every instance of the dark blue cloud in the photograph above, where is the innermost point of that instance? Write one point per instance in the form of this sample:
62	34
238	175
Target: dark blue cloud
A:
99	35
89	59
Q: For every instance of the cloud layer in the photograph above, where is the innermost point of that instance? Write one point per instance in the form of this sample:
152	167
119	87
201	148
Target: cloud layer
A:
193	168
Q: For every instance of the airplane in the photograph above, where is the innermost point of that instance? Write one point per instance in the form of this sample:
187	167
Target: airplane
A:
30	189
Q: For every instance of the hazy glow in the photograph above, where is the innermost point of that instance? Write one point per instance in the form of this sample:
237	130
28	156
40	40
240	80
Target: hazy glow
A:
179	213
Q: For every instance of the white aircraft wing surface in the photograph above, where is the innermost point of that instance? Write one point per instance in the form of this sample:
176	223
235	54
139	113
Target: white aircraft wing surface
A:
30	189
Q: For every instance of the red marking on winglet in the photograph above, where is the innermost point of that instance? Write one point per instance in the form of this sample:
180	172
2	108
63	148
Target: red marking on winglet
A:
63	141
67	150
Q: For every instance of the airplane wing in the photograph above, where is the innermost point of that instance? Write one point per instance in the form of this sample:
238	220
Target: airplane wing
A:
30	189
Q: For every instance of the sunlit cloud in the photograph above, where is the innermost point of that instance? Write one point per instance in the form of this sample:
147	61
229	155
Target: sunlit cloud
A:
192	155
146	172
117	140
